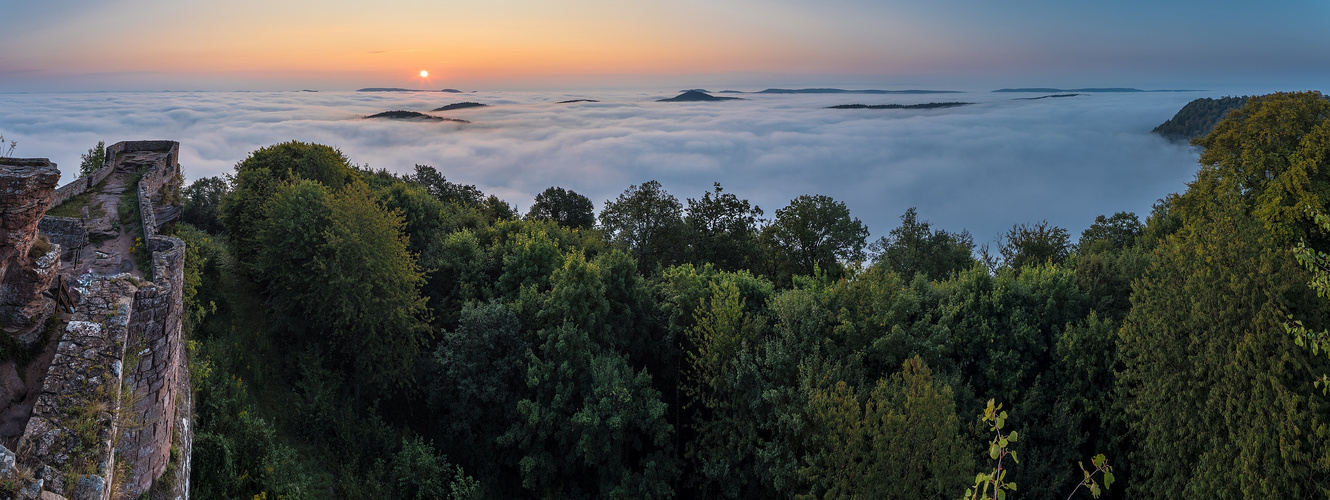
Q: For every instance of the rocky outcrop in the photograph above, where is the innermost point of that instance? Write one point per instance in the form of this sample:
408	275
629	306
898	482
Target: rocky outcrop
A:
26	187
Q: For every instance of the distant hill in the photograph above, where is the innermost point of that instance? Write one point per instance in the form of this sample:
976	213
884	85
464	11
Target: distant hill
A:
1046	90
1198	118
695	96
927	105
413	115
394	89
460	105
866	91
1044	97
576	100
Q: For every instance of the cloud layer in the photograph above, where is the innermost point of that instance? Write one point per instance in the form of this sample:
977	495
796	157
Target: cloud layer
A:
982	167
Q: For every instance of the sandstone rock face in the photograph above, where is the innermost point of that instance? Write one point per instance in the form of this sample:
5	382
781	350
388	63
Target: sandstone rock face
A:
26	186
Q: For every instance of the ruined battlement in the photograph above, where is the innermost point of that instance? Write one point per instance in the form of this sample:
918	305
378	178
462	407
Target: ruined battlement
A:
115	398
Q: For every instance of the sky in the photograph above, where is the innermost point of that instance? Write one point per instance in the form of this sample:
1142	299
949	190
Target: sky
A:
981	167
85	45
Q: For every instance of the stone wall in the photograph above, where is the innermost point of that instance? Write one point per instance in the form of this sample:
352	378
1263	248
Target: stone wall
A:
155	380
68	440
156	327
68	232
81	184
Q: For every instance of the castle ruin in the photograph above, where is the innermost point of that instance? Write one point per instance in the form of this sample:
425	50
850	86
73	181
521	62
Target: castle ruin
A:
94	381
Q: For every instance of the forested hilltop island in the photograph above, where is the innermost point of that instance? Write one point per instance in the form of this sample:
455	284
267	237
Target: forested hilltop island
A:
1198	118
360	334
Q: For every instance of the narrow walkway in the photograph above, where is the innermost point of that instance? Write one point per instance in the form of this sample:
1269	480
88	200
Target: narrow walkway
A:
113	255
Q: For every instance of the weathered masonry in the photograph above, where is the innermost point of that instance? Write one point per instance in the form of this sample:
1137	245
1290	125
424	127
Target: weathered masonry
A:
91	305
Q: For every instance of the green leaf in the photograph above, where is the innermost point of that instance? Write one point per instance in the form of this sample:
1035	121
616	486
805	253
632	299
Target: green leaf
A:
1108	479
1013	456
1001	495
993	451
1098	460
1012	437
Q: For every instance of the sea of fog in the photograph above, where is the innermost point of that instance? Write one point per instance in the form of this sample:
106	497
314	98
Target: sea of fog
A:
982	167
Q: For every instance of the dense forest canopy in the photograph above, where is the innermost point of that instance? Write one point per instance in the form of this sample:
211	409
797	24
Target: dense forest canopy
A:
360	334
1198	118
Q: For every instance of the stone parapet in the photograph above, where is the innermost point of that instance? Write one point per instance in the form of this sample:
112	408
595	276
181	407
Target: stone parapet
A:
82	184
155	381
69	438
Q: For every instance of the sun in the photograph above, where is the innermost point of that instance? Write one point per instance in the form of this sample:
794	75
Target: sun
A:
424	74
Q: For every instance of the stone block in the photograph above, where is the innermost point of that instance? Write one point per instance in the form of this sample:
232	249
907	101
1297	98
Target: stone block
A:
88	488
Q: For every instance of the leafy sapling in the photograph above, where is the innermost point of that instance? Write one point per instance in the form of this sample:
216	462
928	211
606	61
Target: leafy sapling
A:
1100	465
1318	263
998	451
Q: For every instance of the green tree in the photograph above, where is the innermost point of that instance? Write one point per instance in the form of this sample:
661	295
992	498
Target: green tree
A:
592	427
722	230
438	186
455	267
646	220
529	257
479	374
1318	264
914	247
239	453
1108	260
421	474
203	199
1274	152
905	441
1034	244
497	210
93	159
815	232
564	207
1215	391
291	256
370	307
257	180
1112	233
423	214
